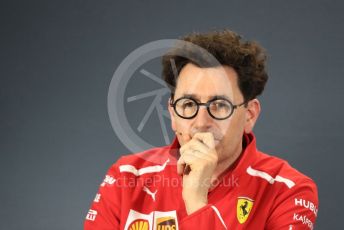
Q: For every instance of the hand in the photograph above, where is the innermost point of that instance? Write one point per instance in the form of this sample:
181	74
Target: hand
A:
200	155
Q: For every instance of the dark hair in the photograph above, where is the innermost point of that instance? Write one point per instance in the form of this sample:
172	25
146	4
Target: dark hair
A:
247	58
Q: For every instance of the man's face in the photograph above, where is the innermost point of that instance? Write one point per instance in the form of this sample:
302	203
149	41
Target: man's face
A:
203	84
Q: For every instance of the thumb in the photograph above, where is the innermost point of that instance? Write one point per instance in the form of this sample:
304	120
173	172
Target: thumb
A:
185	137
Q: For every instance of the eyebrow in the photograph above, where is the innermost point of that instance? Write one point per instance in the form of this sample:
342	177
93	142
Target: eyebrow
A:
194	96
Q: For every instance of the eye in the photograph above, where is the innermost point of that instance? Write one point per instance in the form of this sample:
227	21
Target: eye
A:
188	104
221	105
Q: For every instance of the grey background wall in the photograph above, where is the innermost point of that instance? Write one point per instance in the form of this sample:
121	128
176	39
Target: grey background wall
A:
57	61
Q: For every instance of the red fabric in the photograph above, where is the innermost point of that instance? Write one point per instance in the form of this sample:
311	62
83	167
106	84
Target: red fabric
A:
281	197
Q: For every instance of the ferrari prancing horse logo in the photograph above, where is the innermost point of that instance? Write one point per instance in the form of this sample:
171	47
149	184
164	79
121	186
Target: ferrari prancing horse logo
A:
244	207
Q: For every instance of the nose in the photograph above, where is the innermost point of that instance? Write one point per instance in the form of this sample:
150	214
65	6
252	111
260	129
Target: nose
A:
203	120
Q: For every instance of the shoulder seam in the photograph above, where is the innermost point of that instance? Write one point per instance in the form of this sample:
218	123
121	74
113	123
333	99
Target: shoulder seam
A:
141	171
256	173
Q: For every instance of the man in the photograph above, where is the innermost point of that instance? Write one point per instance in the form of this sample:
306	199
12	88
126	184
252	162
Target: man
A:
212	176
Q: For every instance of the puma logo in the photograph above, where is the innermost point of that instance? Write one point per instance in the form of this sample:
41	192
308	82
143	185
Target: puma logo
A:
149	192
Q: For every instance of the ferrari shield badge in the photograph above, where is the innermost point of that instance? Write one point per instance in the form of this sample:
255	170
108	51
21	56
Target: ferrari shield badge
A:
244	207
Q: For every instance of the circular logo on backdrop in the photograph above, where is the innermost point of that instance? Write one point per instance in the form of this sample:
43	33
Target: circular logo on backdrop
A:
138	95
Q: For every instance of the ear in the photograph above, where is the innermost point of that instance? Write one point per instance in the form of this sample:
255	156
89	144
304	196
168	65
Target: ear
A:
172	115
252	114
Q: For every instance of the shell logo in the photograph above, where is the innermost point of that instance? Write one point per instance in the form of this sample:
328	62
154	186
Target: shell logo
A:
139	225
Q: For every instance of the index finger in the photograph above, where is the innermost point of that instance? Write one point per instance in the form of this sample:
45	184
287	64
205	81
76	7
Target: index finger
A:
206	137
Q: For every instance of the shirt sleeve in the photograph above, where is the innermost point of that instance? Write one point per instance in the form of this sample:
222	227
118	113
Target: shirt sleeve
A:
295	208
205	218
104	211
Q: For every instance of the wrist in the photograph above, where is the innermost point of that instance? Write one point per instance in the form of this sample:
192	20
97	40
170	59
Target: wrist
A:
194	204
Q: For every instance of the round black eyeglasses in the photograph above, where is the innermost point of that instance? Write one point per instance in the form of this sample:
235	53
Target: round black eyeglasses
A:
219	109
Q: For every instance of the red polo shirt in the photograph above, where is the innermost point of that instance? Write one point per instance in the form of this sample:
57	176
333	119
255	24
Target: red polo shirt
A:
144	192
